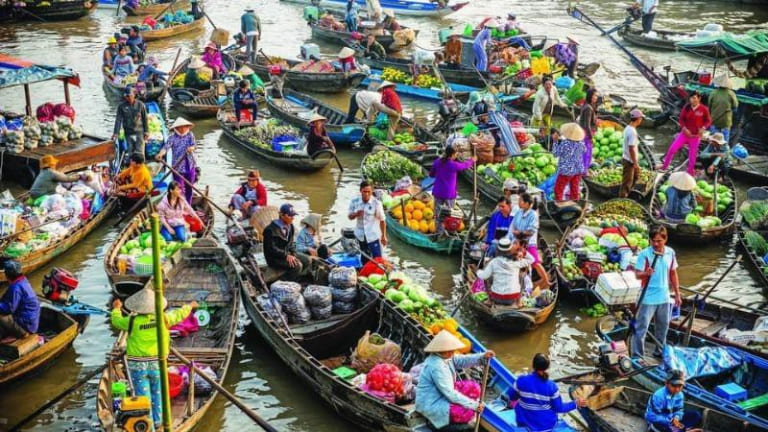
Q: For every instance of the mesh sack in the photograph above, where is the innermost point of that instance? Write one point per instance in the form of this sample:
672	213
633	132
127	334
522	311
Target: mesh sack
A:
343	277
346	295
318	296
271	308
340	307
321	313
285	292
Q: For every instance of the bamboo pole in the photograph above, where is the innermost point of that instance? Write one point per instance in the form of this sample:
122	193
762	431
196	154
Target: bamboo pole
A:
162	352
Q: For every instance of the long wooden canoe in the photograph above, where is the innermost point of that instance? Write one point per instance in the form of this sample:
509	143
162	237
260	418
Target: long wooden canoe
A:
199	103
57	330
54	11
423	157
153	35
754	259
326	82
753	170
43	256
663	40
295	109
125	285
153	94
686	231
505	317
207	274
153	9
342	37
300	161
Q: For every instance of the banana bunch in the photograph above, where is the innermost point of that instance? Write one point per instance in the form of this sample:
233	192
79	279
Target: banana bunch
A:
428	81
394	75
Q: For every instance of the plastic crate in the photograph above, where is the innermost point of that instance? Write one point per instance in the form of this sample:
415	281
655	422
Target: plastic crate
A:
618	288
731	391
344	372
345	260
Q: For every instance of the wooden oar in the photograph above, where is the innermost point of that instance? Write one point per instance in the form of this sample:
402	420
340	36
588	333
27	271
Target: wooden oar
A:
173	68
232	398
486	368
692	314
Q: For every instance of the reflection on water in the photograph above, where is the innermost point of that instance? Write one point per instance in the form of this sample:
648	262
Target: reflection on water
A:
256	373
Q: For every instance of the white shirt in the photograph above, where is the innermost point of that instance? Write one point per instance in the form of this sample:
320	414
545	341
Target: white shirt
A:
648	4
630	140
368	227
365	101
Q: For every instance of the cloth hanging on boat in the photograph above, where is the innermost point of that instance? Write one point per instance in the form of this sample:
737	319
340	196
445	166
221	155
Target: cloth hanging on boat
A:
507	137
699	362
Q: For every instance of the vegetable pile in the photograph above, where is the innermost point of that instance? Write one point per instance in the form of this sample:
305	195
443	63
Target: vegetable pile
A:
607	144
268	133
178	80
386	167
704	192
423	80
755	214
385	377
138	250
757	245
28	133
611	176
533	168
409	296
418	214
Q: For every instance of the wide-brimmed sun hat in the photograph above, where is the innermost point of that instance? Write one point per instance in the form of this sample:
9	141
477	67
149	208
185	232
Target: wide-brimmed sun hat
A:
48	161
196	63
505	245
572	39
724	81
180	122
316	117
718	138
143	302
445	341
346	52
572	131
212	45
312	220
385	84
683	181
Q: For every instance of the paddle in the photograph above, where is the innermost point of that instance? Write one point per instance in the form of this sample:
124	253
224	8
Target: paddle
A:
173	68
232	398
692	315
336	158
486	368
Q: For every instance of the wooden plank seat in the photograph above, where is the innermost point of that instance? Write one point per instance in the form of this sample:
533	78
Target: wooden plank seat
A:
12	348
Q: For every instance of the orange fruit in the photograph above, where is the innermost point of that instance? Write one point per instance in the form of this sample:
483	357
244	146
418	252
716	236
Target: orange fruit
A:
417	215
408	208
435	328
414	225
418	205
424	227
462	227
428	213
432	227
452	326
397	213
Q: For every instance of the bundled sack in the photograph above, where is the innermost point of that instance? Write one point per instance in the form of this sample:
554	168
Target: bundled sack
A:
373	349
341	307
346	295
458	413
288	294
343	277
284	291
320	301
271	307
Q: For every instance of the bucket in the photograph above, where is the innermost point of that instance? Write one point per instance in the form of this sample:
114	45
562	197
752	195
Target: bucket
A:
175	384
220	37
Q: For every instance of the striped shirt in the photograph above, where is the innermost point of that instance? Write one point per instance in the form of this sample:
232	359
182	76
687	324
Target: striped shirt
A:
538	402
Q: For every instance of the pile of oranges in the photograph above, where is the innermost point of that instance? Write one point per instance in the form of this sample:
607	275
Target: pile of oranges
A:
417	214
452	326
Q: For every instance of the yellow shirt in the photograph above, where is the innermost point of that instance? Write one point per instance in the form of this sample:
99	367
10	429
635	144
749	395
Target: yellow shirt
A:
138	178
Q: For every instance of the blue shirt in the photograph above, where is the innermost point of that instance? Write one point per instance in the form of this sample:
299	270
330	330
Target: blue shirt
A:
351	12
435	392
149	71
658	287
570	156
525	221
482	38
20	301
305	240
679	204
663	407
238	97
539	402
498	226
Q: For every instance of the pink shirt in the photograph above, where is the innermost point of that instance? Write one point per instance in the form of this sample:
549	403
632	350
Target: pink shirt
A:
174	216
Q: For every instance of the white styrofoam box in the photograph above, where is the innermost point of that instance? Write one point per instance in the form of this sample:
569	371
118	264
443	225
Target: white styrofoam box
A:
617	288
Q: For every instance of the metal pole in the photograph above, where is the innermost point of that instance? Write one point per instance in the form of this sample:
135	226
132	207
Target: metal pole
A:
162	352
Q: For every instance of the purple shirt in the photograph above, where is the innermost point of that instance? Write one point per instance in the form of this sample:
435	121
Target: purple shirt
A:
445	174
178	145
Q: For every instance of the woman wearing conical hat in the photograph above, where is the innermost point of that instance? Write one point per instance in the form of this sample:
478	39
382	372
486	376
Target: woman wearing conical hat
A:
142	345
317	138
181	144
435	392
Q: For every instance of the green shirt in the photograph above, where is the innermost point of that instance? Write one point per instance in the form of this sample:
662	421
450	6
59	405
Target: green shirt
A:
722	102
45	182
142	335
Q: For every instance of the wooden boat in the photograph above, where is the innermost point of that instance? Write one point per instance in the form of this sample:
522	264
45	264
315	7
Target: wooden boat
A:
329	82
153	9
685	231
505	318
153	35
206	273
57	329
423	157
400	7
647	162
153	94
125	285
614	408
431	242
561	214
583	287
342	37
755	260
750	374
43	256
296	108
456	74
305	350
300	161
753	170
199	103
664	40
460	91
54	11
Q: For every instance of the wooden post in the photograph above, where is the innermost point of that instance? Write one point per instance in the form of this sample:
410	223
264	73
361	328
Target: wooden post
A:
191	391
66	93
162	352
28	99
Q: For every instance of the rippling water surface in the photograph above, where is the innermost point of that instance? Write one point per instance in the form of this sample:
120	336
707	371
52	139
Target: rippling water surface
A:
256	374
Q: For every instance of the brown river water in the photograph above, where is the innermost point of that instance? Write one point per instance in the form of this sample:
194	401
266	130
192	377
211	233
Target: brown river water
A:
257	375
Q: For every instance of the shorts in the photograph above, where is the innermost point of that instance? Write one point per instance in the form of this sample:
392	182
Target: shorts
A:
534	251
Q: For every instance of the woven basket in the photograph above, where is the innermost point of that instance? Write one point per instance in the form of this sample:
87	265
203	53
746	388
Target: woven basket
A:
263	217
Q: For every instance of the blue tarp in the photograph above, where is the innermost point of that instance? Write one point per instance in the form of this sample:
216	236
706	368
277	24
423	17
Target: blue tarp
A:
699	362
15	71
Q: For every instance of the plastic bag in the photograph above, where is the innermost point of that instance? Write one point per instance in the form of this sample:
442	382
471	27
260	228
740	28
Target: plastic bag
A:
284	291
341	307
64	110
373	349
271	307
45	112
346	295
321	312
318	296
343	277
458	413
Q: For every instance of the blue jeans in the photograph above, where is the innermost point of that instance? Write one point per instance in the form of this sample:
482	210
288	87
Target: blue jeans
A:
145	376
351	23
725	131
373	249
180	233
644	315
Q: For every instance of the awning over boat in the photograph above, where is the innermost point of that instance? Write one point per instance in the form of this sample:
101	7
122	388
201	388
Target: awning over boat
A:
15	71
728	45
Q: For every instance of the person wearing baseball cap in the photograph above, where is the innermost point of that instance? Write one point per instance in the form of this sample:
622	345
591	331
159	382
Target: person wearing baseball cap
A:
280	247
48	178
629	159
131	117
665	409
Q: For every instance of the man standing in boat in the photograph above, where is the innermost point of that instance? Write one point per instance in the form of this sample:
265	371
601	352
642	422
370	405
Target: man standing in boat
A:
19	308
132	118
250	26
650	7
629	159
371	226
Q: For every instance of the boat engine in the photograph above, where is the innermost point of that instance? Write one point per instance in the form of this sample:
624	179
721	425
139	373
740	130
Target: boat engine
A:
349	241
58	284
133	414
614	358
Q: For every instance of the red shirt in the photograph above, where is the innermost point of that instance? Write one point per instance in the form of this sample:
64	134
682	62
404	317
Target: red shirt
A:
695	119
390	99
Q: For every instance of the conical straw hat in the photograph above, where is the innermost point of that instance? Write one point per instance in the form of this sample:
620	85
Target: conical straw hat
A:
683	181
181	121
445	341
572	131
143	302
346	52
